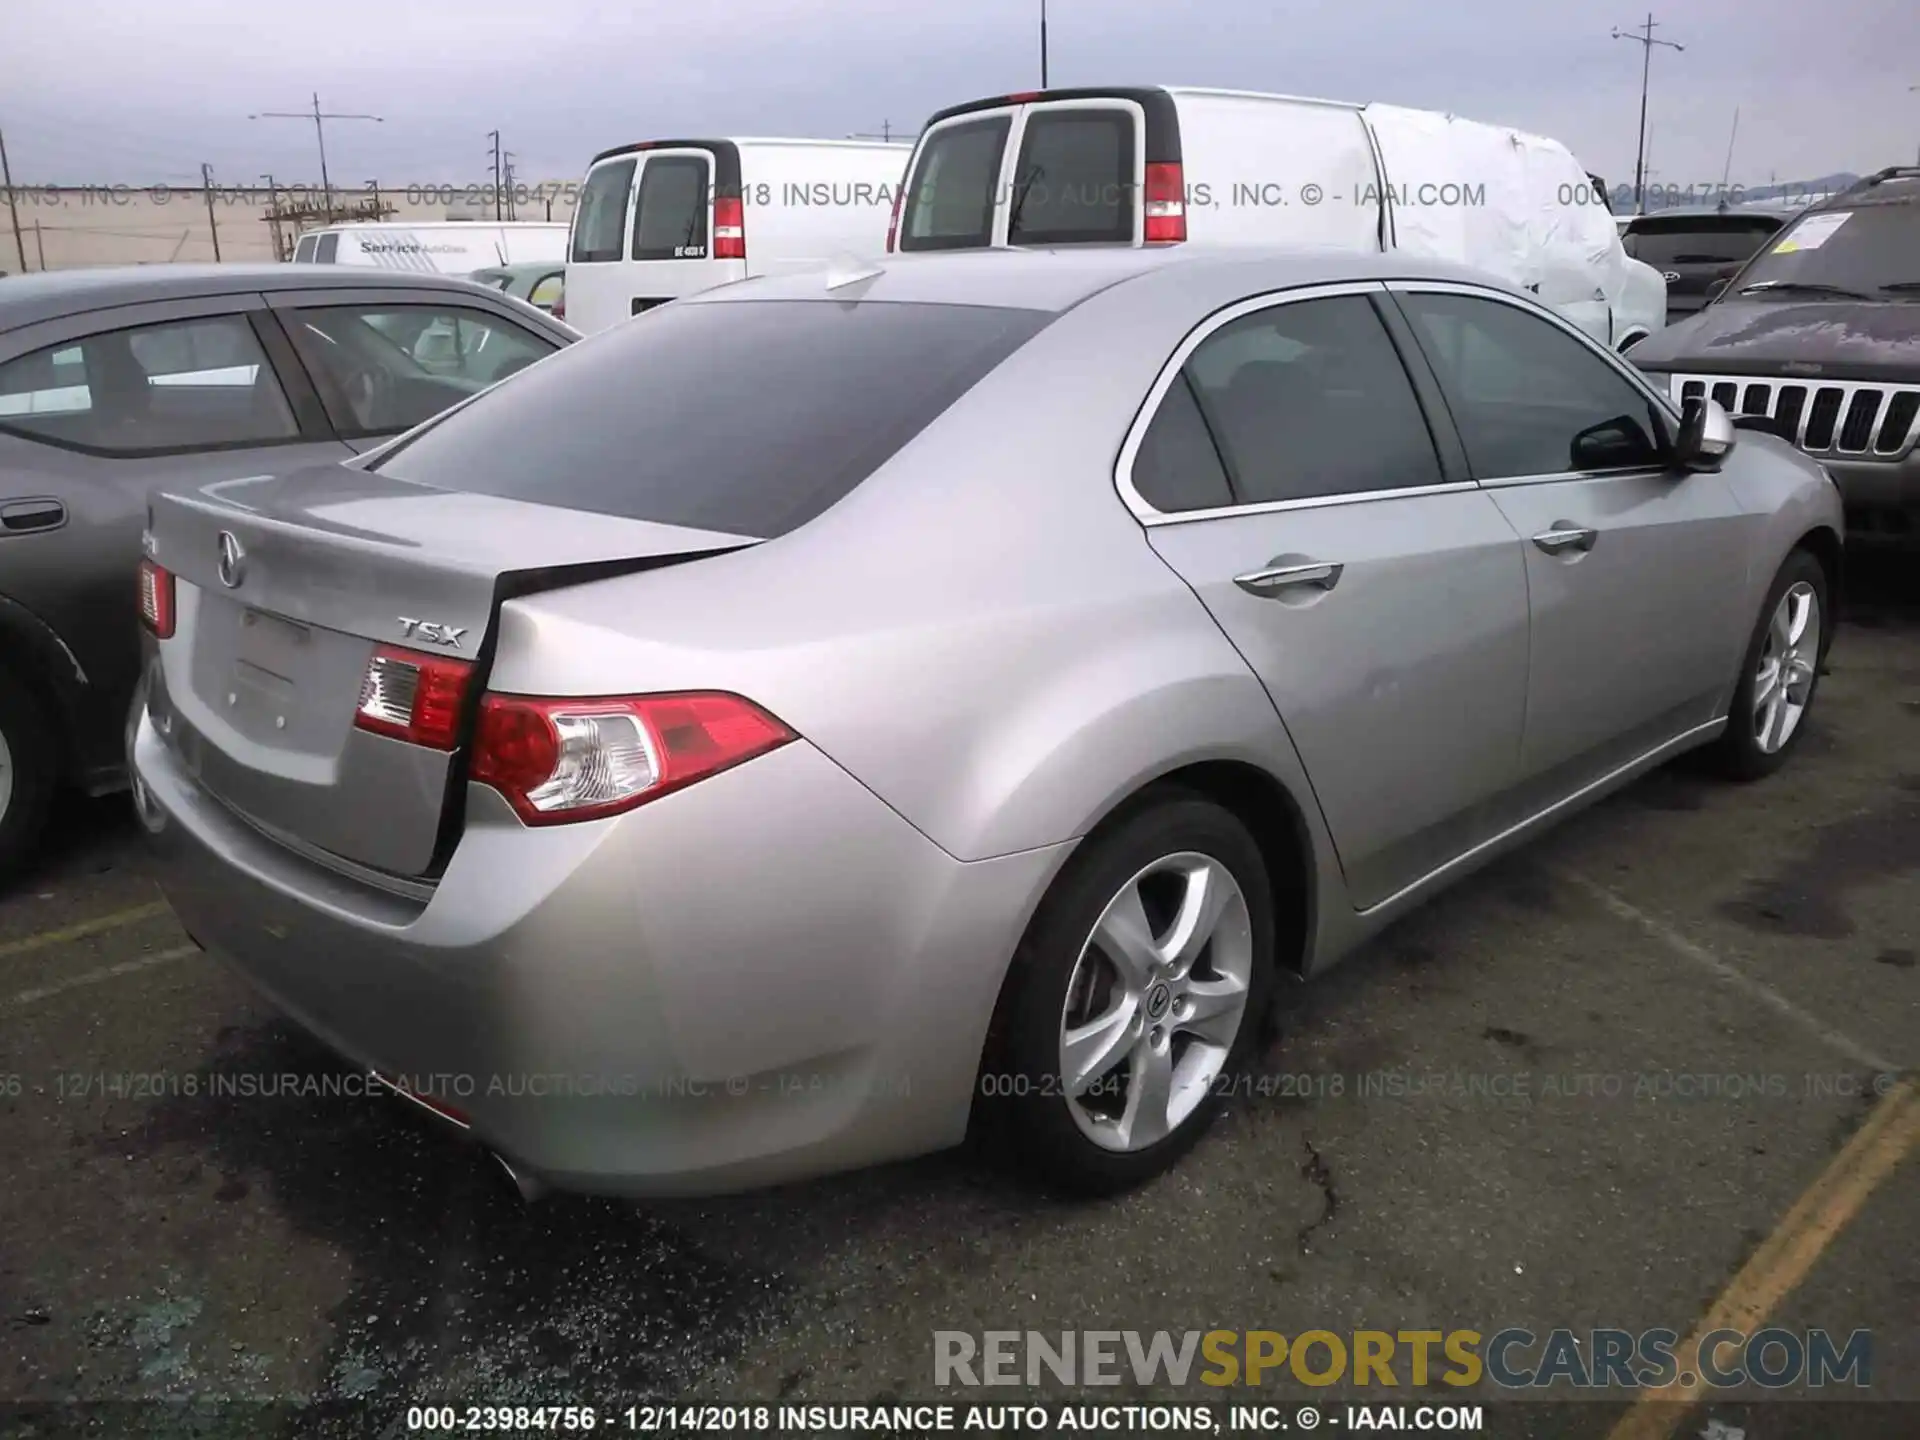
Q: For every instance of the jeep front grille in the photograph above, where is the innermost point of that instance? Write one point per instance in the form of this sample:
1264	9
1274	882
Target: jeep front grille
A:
1852	420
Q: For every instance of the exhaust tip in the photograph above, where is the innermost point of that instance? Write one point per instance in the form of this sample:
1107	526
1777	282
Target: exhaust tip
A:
530	1187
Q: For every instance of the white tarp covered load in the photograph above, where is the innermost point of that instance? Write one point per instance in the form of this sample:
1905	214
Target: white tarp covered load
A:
1518	206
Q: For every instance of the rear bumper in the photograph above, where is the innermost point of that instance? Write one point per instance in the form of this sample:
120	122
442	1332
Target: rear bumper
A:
767	976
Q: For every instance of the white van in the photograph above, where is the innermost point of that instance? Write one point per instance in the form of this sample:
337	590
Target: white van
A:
665	218
1063	167
444	247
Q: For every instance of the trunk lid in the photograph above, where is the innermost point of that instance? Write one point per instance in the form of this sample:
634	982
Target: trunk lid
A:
285	587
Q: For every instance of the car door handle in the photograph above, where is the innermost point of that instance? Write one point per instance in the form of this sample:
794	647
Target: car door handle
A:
1565	536
19	515
1286	577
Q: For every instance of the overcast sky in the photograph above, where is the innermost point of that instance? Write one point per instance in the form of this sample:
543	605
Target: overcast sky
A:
116	91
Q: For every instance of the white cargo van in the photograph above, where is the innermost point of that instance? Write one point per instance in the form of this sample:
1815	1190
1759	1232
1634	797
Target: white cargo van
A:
449	247
665	218
1165	165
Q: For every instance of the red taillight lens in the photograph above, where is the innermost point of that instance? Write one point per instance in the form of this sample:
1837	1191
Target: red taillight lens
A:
580	759
729	228
156	599
413	697
1165	210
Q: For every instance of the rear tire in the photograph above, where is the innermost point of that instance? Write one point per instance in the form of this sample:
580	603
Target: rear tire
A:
1115	1042
1789	640
28	762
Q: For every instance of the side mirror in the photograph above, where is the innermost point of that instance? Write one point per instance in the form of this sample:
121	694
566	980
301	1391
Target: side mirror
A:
1706	435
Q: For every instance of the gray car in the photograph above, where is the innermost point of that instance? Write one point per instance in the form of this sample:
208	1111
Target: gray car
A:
115	381
837	711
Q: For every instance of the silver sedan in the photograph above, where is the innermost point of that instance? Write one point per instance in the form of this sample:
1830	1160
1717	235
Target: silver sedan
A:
838	713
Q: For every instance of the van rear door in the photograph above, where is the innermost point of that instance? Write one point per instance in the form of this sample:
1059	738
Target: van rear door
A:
688	230
1060	167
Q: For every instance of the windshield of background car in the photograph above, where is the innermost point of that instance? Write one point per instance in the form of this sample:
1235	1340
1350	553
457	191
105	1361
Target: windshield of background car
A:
1862	250
747	417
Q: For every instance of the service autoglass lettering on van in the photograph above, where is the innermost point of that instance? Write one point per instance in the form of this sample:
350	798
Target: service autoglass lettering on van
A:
408	247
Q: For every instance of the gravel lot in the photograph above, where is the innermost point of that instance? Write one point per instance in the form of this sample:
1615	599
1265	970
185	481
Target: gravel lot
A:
294	1249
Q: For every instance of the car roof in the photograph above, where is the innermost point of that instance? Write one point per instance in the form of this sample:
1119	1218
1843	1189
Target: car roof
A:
50	294
1057	280
1714	212
1897	185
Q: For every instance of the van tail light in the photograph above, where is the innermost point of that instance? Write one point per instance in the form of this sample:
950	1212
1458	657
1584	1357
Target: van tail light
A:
729	228
1165	211
558	761
156	600
413	697
893	225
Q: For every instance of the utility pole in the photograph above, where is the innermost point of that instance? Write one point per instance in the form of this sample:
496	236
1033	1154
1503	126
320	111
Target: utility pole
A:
512	214
40	244
13	206
1643	37
319	118
1043	44
495	136
886	133
213	226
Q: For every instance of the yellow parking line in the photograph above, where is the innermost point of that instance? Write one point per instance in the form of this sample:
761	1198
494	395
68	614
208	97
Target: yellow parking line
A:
85	928
1890	1133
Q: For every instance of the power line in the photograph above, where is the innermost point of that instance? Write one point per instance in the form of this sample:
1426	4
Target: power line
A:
319	119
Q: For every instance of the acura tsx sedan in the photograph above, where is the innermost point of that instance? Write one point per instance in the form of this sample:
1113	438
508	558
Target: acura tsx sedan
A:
837	714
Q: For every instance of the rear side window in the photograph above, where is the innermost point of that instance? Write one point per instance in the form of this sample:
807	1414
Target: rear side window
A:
747	417
950	204
1178	468
1074	182
1310	399
327	248
670	220
303	252
187	385
600	222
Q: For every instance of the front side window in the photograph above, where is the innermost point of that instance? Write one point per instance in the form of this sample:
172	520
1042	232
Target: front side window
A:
1871	251
383	369
670	217
188	385
745	417
1074	180
600	221
956	179
1528	398
1309	399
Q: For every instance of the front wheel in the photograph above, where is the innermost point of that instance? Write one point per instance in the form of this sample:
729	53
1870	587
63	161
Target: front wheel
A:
1136	999
1781	672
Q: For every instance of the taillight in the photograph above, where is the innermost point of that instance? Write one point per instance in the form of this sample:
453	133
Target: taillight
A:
580	759
1165	210
729	228
156	599
413	697
893	225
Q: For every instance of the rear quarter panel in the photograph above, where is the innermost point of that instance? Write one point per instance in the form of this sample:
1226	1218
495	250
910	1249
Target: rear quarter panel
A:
980	633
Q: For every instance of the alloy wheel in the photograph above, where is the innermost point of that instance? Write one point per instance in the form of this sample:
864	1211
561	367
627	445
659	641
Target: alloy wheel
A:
1789	661
1156	1001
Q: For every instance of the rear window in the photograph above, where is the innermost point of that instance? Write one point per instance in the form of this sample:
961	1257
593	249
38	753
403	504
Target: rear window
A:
1718	241
670	220
748	417
1074	182
950	204
303	252
328	247
600	222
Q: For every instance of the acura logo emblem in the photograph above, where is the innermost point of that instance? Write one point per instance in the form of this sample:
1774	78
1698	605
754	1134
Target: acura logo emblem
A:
233	560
